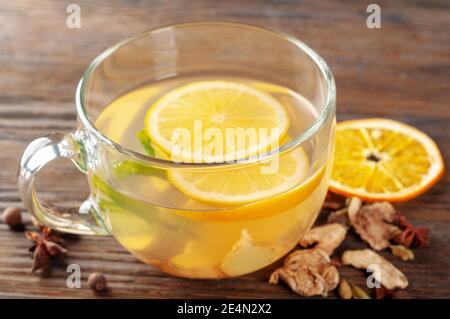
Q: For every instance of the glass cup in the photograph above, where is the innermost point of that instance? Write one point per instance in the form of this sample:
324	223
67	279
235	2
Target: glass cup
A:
141	208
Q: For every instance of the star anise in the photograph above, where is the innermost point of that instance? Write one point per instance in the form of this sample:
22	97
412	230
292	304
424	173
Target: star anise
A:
45	247
411	236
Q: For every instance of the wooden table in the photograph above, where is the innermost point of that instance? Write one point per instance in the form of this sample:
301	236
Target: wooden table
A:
400	71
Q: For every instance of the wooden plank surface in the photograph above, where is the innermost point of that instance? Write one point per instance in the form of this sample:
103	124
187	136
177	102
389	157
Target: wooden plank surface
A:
400	71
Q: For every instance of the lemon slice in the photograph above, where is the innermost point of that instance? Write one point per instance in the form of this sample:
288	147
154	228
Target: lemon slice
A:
244	185
379	159
206	109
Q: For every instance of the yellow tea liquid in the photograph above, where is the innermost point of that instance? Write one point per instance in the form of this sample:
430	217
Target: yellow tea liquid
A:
165	227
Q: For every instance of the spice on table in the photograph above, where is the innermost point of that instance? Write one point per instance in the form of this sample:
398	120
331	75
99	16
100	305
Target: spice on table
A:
390	276
354	205
358	293
411	236
374	224
402	252
97	282
344	290
308	272
46	246
339	216
12	216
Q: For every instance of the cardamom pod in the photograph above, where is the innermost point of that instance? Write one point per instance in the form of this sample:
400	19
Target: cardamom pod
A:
358	293
344	290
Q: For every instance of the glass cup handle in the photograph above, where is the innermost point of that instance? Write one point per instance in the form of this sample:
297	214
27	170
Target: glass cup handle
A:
38	153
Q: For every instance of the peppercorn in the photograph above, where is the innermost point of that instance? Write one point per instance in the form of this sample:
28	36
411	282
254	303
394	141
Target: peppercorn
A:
97	281
12	217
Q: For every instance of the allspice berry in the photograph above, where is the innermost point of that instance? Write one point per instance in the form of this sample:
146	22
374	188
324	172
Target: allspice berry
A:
97	282
12	216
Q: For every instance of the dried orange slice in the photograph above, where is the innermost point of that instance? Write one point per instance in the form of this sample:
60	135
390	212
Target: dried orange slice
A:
380	159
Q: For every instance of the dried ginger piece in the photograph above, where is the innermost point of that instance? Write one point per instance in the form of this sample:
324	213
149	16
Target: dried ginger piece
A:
308	273
327	237
354	206
339	216
402	252
373	223
390	276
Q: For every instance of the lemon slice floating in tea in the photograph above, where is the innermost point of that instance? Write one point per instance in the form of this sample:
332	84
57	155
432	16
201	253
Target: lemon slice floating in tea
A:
379	159
217	105
244	185
223	105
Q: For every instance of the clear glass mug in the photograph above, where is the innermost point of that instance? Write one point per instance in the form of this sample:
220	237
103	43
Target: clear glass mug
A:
161	227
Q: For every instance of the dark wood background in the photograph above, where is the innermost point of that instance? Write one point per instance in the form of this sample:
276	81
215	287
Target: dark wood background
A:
400	71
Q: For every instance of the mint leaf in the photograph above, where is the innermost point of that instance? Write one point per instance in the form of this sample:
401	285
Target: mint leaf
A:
146	142
126	168
112	200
